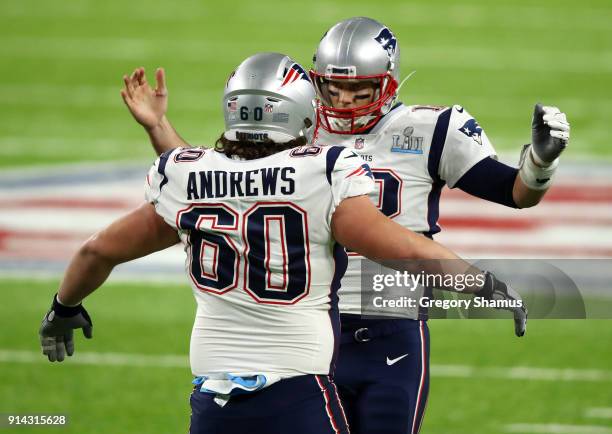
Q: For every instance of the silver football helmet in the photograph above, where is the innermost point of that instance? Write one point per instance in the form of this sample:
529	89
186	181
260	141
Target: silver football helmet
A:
356	49
268	96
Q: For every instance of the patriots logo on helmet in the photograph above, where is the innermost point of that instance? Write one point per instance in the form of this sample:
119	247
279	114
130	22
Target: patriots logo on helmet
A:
473	130
387	40
295	72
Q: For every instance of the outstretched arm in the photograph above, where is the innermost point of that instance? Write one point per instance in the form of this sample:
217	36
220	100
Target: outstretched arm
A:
149	106
492	180
380	238
133	236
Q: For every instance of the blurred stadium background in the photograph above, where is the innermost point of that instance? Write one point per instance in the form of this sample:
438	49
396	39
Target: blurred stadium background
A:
72	159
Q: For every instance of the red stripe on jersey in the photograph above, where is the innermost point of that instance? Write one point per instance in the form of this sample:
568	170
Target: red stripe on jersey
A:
327	404
358	171
339	402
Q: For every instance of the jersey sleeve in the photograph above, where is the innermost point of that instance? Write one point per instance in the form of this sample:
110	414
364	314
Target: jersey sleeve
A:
157	183
466	144
156	178
152	182
348	175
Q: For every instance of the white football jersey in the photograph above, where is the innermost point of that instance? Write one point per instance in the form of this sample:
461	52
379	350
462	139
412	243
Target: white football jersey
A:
413	152
260	255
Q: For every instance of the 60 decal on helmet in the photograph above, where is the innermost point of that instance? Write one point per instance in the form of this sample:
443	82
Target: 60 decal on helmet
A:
268	97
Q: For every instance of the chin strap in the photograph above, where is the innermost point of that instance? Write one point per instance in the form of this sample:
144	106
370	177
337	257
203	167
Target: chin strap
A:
397	91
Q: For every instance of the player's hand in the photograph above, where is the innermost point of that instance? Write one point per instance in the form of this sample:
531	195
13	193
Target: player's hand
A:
147	105
57	329
550	132
494	289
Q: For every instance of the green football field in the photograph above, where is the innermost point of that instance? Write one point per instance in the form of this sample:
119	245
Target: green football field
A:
133	375
60	77
62	64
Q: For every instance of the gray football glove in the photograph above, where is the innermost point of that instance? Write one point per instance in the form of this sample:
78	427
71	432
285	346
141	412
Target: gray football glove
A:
57	329
550	132
494	289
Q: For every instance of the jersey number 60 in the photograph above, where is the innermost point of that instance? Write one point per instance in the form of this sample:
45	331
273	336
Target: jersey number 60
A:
215	260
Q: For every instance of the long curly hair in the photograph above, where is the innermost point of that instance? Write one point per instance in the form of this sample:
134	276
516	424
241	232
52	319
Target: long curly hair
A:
250	150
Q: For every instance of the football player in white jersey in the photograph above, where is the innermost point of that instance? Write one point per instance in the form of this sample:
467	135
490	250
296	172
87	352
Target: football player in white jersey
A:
261	217
414	151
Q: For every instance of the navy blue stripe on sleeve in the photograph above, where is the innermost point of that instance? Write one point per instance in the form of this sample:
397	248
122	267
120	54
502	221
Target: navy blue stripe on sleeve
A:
490	180
332	156
433	206
161	168
433	165
437	144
